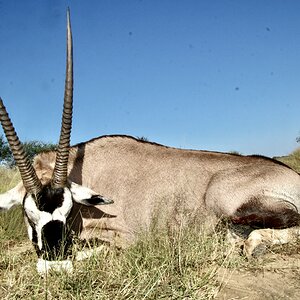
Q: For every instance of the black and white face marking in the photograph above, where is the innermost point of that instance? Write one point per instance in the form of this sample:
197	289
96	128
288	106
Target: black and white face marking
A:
46	220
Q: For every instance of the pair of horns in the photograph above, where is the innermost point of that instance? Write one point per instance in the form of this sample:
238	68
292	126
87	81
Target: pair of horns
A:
30	180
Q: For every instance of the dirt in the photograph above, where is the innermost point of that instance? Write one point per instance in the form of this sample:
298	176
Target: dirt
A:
277	278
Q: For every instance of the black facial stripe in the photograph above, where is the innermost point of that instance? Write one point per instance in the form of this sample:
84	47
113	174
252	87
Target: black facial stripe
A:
52	236
49	199
34	235
55	240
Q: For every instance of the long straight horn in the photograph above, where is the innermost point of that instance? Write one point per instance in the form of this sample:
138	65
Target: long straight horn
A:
59	178
31	182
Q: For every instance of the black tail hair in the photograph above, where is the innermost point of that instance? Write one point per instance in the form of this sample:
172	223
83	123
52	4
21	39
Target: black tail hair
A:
257	214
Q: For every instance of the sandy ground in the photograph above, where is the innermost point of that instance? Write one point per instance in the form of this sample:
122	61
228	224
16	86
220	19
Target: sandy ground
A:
278	278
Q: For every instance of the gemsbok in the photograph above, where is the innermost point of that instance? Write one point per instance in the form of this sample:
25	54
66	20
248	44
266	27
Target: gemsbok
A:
61	190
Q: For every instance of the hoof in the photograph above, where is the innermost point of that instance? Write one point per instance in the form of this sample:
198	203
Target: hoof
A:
259	250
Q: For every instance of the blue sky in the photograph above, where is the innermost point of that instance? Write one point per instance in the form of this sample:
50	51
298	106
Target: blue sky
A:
214	75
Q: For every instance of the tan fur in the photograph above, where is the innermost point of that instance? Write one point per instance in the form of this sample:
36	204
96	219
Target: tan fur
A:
146	179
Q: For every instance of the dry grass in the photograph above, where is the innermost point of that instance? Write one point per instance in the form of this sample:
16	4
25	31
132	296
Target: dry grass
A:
155	268
181	265
292	160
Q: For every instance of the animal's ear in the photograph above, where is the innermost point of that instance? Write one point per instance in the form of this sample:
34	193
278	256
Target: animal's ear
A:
12	197
86	196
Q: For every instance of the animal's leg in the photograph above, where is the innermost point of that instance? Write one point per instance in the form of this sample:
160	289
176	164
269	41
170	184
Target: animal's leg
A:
234	240
278	218
268	237
236	235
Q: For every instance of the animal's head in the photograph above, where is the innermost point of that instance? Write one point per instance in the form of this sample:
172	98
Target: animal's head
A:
48	206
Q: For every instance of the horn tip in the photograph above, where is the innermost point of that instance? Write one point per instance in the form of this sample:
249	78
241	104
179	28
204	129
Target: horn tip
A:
68	14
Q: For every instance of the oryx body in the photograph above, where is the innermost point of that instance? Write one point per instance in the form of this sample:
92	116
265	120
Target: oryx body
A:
144	180
142	177
148	180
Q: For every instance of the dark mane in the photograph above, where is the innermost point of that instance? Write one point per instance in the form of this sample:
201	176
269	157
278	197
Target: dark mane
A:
119	136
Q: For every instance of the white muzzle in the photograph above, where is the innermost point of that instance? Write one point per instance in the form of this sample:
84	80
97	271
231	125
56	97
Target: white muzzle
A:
45	266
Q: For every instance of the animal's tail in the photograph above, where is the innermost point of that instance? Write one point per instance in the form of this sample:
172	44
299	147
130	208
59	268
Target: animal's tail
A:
261	214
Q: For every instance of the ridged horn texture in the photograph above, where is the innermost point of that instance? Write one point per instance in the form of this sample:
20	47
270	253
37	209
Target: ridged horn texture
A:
31	182
59	178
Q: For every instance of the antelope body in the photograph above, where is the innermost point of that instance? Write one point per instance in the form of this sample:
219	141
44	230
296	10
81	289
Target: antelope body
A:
143	178
61	192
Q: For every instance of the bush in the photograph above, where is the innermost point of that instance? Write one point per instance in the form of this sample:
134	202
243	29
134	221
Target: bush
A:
31	148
